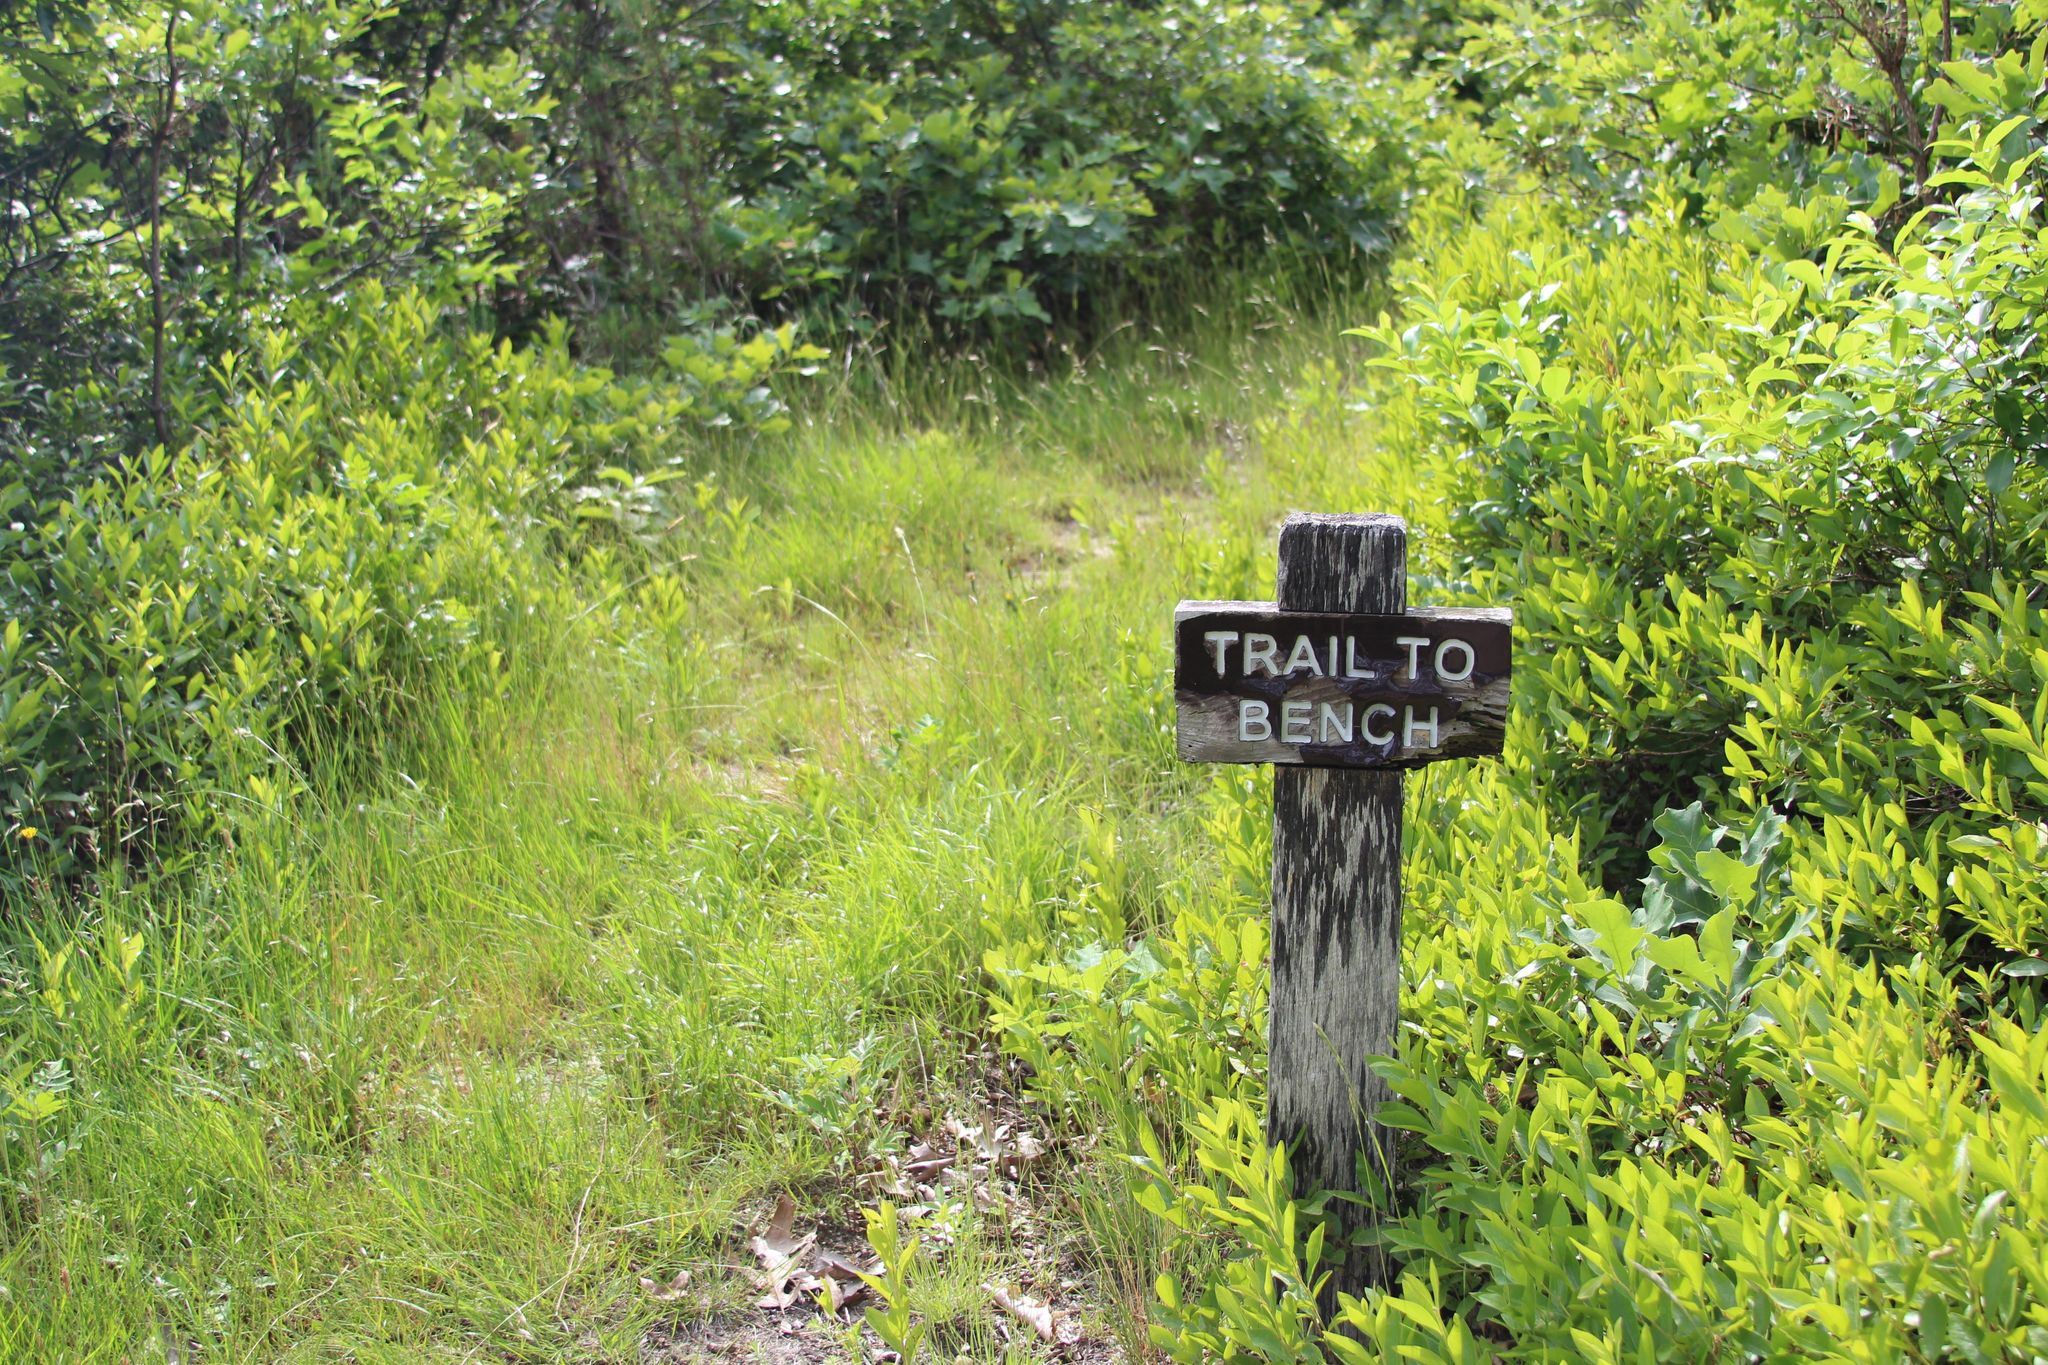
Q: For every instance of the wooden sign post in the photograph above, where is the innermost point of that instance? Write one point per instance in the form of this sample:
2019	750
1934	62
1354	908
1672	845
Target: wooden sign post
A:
1343	686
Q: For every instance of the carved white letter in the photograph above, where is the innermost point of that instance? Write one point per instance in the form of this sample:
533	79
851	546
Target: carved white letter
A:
1262	650
1410	725
1303	655
1251	714
1294	717
1329	719
1220	641
1416	644
1373	736
1447	675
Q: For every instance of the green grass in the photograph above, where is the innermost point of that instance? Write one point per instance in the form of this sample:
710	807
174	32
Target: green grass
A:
556	986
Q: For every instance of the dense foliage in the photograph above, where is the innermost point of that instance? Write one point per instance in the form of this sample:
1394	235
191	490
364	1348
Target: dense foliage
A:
365	507
987	164
213	207
183	176
1714	346
1722	362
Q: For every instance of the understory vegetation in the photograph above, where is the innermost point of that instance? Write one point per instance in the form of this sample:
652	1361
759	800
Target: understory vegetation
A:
583	602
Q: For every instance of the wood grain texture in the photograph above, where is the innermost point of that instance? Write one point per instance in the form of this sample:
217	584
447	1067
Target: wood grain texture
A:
1205	731
1336	903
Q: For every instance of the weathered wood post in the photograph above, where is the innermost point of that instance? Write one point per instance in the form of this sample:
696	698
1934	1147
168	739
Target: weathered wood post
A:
1336	898
1344	687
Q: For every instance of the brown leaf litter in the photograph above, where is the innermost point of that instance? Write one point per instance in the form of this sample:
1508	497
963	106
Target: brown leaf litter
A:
808	1287
793	1269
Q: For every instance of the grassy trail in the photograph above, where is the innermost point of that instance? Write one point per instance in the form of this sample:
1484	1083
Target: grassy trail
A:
458	1049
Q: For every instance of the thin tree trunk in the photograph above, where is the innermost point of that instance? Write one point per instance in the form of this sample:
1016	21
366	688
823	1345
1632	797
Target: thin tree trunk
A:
167	109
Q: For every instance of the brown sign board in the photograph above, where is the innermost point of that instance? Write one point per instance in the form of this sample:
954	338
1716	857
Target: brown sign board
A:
1254	684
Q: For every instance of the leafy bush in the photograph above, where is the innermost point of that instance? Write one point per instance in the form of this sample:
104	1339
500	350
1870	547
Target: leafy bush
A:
1016	158
185	177
1769	520
180	174
372	498
1722	993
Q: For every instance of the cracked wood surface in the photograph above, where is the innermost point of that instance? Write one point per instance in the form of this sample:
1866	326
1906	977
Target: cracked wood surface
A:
1336	903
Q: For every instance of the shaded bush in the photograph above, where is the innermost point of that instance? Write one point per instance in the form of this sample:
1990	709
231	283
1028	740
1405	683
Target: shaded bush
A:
1008	161
181	175
370	498
1769	520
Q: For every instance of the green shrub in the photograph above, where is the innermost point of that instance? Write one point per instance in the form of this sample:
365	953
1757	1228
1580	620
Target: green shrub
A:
1769	523
1008	162
185	177
179	175
370	499
1721	1007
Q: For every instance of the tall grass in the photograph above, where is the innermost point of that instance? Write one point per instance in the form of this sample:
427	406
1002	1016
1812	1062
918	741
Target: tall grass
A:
552	986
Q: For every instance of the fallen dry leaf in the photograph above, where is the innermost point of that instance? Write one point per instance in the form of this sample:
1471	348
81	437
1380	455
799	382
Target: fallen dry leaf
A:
1029	1311
672	1292
1024	1150
927	1160
996	1146
986	1138
781	1253
892	1181
781	1234
786	1288
786	1281
841	1280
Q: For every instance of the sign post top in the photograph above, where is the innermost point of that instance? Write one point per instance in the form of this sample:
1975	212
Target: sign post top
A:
1363	521
1350	562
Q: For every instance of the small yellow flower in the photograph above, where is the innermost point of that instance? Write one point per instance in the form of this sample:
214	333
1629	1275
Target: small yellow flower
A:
28	832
